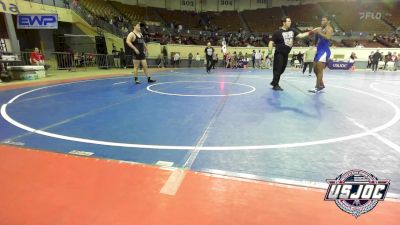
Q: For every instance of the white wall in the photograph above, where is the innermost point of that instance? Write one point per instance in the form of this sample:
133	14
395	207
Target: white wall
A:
242	4
174	5
207	5
199	6
257	4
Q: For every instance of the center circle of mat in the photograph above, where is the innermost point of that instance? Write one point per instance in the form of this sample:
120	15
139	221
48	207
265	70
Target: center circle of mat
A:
206	86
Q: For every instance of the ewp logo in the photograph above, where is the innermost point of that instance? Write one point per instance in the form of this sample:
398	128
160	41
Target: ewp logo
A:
37	21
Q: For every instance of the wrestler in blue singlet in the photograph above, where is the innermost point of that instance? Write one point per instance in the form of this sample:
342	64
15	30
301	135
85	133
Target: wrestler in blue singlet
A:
323	51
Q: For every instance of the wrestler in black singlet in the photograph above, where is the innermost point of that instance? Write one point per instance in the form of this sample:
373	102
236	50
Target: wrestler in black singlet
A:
139	44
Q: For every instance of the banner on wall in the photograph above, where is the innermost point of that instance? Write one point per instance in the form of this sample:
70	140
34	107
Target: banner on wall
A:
37	21
339	65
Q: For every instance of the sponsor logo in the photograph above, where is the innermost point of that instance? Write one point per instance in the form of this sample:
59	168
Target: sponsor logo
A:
356	192
37	21
340	65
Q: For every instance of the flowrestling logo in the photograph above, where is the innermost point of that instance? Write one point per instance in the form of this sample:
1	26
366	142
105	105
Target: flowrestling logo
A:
356	192
31	21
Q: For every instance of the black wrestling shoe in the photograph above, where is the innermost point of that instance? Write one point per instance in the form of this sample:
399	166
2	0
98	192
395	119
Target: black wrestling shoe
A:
277	88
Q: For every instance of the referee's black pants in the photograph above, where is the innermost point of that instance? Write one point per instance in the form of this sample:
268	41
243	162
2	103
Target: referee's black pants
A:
280	63
375	65
209	63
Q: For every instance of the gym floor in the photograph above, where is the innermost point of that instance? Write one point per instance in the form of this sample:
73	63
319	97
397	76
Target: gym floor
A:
219	148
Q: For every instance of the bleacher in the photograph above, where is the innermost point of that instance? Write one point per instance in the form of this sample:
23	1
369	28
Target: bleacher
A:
389	11
136	13
100	8
263	20
392	40
350	20
259	21
336	44
228	21
308	14
189	20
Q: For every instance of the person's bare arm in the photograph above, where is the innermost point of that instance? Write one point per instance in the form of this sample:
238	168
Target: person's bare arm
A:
145	47
303	35
306	34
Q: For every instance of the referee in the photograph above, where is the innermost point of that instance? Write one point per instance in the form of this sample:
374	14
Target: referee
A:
209	51
283	40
